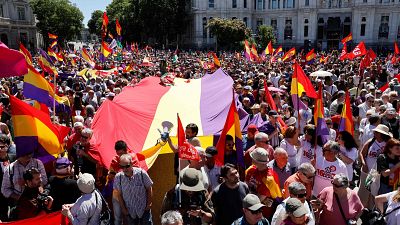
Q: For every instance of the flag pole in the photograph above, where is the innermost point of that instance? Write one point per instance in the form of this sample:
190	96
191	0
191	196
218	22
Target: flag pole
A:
298	98
54	98
179	172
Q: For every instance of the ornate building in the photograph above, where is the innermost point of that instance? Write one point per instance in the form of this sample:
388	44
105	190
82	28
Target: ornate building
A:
17	24
317	23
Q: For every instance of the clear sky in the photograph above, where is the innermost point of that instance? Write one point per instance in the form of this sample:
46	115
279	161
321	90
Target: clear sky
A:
88	6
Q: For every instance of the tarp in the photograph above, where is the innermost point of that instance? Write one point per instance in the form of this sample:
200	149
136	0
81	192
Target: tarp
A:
136	114
49	219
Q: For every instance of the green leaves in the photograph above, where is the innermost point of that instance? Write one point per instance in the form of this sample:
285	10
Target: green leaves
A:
229	32
265	34
59	17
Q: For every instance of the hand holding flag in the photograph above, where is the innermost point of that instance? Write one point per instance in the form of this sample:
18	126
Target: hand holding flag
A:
185	149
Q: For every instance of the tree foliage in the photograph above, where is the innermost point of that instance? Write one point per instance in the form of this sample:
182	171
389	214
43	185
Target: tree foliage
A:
265	35
229	33
94	24
58	17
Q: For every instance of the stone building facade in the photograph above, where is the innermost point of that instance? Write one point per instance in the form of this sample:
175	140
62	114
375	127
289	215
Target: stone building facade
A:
17	24
315	23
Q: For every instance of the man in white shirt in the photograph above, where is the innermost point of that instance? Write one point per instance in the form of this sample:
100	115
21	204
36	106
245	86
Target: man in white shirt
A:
327	166
213	171
367	105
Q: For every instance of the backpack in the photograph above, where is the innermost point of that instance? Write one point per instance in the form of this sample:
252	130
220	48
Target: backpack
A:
105	214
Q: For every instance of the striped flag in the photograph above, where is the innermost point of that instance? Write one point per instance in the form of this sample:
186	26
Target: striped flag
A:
346	118
347	38
301	84
118	27
289	54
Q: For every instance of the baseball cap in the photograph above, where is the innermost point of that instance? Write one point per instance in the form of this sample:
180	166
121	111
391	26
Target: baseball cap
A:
62	162
252	128
295	207
252	202
272	113
211	151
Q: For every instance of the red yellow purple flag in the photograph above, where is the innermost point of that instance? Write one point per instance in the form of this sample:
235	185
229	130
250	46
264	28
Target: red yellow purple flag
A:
118	27
216	60
310	55
301	84
346	118
319	120
347	38
289	54
269	50
52	36
28	56
105	50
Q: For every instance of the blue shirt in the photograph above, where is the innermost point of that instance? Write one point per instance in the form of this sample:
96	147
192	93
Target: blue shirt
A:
242	221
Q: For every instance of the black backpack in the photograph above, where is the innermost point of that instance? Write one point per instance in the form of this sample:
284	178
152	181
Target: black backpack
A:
105	214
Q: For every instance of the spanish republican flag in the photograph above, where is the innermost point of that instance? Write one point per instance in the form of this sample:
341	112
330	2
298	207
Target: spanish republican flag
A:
348	38
289	54
105	21
247	51
105	49
343	55
35	133
52	36
27	54
396	49
216	60
232	128
346	118
87	58
254	53
118	27
301	84
319	120
310	55
269	50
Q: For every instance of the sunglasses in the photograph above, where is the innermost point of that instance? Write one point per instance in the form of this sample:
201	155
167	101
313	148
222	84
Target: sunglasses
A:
255	212
302	195
125	166
309	177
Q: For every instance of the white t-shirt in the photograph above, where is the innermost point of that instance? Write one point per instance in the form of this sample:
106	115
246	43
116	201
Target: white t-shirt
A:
280	214
352	154
373	153
325	172
307	152
291	151
394	217
332	134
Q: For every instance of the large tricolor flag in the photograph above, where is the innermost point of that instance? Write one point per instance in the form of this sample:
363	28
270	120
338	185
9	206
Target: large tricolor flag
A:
105	49
319	120
46	63
232	128
289	54
346	118
35	133
347	38
38	88
301	84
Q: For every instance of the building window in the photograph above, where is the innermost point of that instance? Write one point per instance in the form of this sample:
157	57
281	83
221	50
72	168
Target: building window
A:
288	4
259	22
398	32
204	27
211	34
234	3
245	21
274	24
365	1
23	37
21	13
245	4
210	3
362	31
1	11
288	29
274	4
259	4
306	31
307	2
384	27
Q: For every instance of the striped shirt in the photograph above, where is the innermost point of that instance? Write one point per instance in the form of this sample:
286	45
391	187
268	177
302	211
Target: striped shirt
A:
133	190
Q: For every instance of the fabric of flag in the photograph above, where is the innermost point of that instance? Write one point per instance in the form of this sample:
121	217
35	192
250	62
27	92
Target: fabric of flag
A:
57	57
247	51
216	60
35	133
271	103
301	84
87	58
105	50
346	118
347	38
254	53
358	51
269	50
55	218
53	44
278	51
310	55
319	120
289	54
396	49
139	111
371	54
185	149
105	21
343	54
12	62
46	65
52	36
27	54
118	27
232	128
38	88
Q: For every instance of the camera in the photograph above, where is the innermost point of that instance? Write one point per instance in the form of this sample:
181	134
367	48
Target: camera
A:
42	198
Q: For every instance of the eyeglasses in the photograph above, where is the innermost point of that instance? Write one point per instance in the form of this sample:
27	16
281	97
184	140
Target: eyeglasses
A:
255	212
301	195
309	177
125	166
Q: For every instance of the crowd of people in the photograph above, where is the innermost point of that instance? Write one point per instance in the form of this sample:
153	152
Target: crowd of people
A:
291	175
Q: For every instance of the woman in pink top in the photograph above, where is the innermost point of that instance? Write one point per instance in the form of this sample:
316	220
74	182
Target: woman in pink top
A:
339	193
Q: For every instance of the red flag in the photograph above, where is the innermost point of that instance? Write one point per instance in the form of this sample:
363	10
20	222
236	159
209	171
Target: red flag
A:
186	150
216	60
358	51
51	218
343	55
118	27
105	20
371	54
271	103
396	49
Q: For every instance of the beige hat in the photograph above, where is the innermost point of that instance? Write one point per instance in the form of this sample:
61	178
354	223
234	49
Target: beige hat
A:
260	155
383	129
255	106
86	183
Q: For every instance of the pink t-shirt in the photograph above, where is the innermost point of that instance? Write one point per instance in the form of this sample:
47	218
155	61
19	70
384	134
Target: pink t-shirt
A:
331	211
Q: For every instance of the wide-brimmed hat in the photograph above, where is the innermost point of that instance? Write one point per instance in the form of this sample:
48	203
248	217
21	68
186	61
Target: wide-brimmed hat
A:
252	202
192	180
260	155
383	129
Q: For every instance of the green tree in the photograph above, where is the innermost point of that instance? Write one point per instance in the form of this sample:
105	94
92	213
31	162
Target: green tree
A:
229	33
95	22
58	17
265	35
